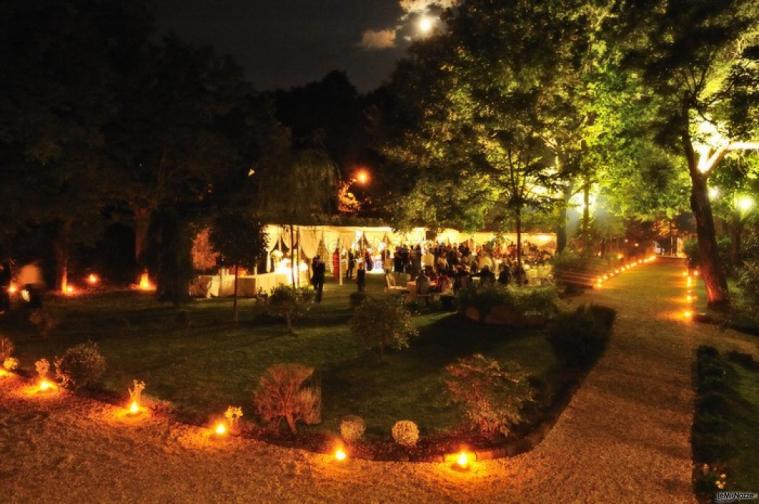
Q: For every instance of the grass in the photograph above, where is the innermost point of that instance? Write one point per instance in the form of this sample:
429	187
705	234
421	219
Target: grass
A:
726	426
203	368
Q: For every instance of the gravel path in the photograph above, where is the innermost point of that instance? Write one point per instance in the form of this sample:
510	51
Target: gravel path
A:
623	438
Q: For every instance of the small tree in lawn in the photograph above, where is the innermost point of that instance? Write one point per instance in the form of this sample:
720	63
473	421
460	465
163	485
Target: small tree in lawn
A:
289	303
289	392
383	322
241	241
492	396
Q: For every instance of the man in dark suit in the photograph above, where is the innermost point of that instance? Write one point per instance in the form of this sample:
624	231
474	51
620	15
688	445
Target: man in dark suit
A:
318	278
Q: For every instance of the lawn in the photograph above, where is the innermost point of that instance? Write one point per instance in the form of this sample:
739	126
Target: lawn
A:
203	368
727	421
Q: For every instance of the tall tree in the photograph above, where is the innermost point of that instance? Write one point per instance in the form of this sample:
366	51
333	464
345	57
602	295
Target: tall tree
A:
684	50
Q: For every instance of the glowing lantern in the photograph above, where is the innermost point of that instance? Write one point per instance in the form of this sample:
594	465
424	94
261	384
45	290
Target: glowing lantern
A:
93	279
340	455
45	385
463	460
696	273
620	256
220	429
144	281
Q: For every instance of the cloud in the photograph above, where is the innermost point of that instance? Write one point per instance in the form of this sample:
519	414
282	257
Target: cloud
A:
420	6
378	39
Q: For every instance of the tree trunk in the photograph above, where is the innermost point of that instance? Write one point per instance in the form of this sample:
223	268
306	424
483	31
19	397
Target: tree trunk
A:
141	225
561	224
62	256
711	270
586	216
292	254
381	352
736	237
518	218
291	423
175	261
235	312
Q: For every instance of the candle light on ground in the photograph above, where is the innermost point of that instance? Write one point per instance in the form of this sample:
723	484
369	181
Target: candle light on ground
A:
340	455
220	429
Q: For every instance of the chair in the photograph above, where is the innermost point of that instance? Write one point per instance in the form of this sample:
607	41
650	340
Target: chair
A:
391	287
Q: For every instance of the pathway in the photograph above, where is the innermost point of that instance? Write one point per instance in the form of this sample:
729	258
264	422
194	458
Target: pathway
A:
623	438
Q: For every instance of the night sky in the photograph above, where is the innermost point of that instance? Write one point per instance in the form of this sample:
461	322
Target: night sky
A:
282	43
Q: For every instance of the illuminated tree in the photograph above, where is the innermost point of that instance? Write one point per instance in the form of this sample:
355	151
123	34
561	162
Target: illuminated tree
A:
691	54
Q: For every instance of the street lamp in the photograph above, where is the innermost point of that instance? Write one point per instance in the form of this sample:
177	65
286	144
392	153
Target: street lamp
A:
362	177
425	25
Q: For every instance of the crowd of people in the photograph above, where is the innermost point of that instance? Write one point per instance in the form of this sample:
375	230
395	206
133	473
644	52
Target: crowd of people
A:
444	267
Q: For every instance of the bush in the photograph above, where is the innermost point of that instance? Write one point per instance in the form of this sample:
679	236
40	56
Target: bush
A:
748	282
579	338
81	366
356	298
352	428
6	348
289	304
405	433
523	301
383	322
43	320
493	397
289	392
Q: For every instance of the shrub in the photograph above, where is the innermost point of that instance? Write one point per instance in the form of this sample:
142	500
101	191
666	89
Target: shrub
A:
43	320
289	392
356	298
493	397
383	322
81	366
352	428
405	433
6	348
523	301
289	303
690	247
749	283
579	338
10	364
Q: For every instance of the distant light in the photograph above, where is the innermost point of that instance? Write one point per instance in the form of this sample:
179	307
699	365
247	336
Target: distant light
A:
713	193
362	177
744	203
93	279
12	288
425	25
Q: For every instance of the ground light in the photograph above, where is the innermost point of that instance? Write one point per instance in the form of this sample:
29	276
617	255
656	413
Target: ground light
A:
45	385
220	429
688	314
93	279
134	408
340	455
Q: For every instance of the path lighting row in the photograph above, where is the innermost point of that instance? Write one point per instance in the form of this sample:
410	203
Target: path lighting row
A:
598	282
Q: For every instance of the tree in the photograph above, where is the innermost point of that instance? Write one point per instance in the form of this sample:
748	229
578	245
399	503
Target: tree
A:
241	241
383	322
684	50
57	95
289	303
298	187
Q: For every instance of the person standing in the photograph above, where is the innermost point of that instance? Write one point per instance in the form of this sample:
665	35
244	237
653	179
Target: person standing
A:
351	265
318	278
336	264
5	283
361	277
